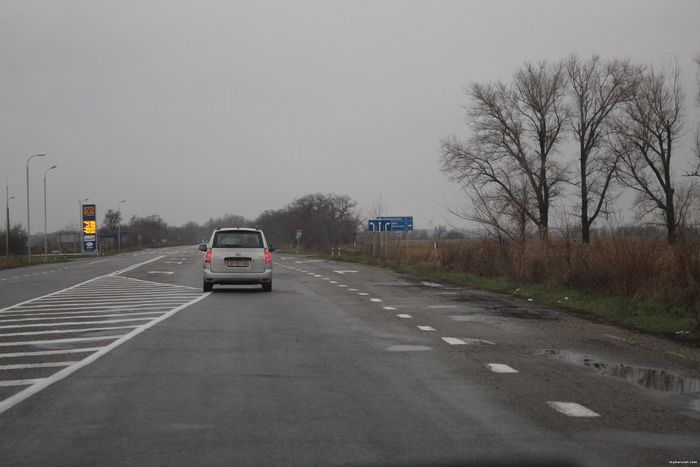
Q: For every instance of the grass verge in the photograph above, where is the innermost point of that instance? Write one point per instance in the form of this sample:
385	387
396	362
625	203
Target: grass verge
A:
649	315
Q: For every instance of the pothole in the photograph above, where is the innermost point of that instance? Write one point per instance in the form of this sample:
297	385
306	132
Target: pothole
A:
647	378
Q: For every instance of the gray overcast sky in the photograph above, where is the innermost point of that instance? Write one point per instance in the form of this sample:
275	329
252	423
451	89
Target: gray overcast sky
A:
195	109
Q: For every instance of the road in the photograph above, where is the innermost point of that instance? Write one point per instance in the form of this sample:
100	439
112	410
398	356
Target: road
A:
124	361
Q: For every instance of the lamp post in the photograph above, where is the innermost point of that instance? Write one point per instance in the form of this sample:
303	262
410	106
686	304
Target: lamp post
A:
80	222
46	230
7	219
119	226
29	230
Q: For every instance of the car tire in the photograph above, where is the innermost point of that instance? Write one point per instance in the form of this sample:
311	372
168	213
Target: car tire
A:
267	287
206	287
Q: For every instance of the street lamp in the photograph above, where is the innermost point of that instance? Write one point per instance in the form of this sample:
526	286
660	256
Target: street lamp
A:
46	230
119	225
29	230
7	211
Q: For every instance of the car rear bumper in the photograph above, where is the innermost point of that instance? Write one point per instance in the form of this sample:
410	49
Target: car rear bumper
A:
237	277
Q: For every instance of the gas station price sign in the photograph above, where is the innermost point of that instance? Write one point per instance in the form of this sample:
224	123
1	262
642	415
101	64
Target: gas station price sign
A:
89	228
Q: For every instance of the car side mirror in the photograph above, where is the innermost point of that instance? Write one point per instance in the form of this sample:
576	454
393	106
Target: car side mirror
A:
271	248
203	247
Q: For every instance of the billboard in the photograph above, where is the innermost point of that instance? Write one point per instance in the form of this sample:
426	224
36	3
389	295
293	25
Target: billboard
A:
89	228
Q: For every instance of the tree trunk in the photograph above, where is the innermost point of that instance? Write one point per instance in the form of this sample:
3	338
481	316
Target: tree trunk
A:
585	224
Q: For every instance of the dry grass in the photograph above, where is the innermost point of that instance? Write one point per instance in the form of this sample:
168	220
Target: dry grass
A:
626	267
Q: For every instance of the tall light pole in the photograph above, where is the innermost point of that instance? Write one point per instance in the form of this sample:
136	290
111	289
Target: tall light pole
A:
119	225
80	222
46	230
29	230
7	212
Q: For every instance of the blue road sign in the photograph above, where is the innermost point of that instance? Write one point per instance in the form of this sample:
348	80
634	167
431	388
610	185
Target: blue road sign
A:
399	223
299	233
379	225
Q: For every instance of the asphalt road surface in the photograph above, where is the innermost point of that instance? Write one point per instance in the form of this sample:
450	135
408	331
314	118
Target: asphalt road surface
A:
124	361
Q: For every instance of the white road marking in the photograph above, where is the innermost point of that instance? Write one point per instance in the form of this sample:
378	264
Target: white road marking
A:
23	366
391	308
58	341
342	285
65	331
500	368
98	261
20	382
453	341
161	272
43	383
404	316
426	328
49	352
71	323
376	300
362	293
344	272
334	282
431	284
52	316
572	409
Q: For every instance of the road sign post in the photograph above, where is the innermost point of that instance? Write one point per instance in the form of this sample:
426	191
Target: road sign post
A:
89	240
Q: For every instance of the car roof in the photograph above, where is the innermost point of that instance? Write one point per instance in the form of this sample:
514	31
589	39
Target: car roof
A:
244	229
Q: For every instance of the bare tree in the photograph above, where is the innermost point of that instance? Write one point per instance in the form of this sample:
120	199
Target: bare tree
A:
112	219
516	130
644	139
500	217
597	90
696	148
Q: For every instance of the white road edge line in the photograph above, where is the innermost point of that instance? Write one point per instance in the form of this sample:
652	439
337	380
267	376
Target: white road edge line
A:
572	409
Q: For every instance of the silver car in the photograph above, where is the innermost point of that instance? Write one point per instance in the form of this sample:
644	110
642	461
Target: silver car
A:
237	256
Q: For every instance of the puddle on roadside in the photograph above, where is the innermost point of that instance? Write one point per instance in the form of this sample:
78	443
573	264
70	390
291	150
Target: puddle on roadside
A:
647	378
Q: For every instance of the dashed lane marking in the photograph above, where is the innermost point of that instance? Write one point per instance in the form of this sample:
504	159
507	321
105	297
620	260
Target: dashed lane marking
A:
500	368
572	409
453	341
404	316
376	300
390	308
426	328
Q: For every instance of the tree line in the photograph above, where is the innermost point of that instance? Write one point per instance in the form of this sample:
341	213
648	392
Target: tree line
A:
619	122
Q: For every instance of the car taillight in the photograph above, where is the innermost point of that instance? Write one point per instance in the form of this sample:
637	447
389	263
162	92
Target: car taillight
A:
268	258
207	257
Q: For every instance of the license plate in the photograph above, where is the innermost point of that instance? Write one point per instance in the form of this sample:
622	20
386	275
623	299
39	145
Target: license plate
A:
237	263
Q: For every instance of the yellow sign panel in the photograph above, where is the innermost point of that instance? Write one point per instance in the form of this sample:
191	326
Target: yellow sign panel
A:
89	210
89	227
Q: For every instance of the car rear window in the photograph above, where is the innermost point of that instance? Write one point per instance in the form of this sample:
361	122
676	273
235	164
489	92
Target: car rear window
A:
238	240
